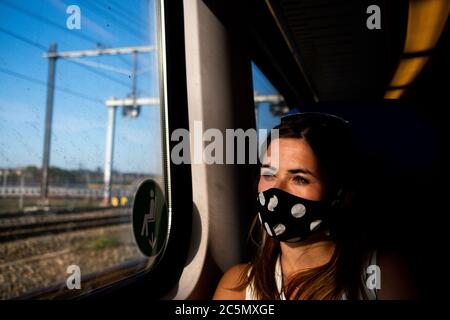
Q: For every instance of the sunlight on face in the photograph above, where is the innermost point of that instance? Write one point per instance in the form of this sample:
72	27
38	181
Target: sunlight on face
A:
290	165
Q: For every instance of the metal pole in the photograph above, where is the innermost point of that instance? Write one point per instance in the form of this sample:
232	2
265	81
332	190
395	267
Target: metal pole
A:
109	154
48	121
5	182
5	178
134	78
22	191
3	174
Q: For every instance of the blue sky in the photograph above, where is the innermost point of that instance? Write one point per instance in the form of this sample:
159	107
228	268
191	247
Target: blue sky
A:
27	27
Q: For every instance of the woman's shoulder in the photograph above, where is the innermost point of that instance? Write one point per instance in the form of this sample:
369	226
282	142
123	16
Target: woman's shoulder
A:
229	287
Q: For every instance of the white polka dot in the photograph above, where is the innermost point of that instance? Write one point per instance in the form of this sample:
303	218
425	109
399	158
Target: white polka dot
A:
296	239
262	200
273	202
267	228
315	224
259	216
279	229
298	210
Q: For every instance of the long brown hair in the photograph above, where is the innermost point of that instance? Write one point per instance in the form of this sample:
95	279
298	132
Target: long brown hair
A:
331	141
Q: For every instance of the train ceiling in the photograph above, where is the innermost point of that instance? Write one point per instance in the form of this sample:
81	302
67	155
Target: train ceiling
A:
322	50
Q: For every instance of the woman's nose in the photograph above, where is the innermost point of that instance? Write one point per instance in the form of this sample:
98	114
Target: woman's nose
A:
281	184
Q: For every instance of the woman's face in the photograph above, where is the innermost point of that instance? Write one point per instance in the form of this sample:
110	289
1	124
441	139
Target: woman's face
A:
290	165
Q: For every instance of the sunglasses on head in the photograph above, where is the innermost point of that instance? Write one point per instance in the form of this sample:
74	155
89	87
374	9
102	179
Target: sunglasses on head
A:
318	116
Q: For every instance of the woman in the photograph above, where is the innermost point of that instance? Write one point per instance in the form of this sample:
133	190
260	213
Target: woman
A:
311	244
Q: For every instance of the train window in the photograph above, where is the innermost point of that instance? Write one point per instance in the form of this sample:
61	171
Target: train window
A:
269	103
80	122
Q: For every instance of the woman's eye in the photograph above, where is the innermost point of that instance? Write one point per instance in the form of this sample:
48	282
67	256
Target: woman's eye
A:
300	180
267	176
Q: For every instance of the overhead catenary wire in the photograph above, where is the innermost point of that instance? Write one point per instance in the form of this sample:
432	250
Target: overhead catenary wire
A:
53	24
47	21
93	6
23	39
99	73
101	66
125	12
41	47
42	83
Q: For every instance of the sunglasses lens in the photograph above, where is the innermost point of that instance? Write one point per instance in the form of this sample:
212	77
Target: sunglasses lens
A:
319	116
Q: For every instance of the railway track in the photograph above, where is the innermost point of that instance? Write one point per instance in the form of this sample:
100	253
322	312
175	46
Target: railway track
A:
59	211
54	225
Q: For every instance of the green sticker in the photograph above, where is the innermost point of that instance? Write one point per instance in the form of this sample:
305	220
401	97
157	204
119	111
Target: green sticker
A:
150	220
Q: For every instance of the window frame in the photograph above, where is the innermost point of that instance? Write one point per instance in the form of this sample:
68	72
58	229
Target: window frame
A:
130	278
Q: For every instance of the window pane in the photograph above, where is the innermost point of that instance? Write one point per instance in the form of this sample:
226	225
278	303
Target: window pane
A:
103	100
269	104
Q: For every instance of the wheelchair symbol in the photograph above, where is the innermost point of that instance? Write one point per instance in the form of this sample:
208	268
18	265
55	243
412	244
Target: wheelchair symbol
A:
149	217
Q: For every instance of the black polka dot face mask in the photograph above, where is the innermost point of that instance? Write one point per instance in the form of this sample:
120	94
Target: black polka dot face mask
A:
289	218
